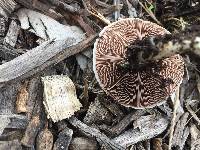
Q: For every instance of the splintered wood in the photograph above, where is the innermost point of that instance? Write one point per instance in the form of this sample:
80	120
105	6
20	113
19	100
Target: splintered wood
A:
60	98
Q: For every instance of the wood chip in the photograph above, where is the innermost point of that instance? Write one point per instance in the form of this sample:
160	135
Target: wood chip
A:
195	137
8	6
83	143
12	145
60	98
92	132
181	132
2	26
126	121
97	113
31	132
44	140
46	54
149	127
157	144
12	34
22	98
64	139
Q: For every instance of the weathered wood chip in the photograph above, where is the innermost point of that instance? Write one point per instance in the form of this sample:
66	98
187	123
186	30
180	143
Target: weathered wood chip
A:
195	138
97	113
22	98
181	132
44	140
7	7
12	34
12	145
60	98
149	126
83	143
31	132
64	139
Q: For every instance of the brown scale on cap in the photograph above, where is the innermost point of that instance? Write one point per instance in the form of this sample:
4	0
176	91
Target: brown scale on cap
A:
138	89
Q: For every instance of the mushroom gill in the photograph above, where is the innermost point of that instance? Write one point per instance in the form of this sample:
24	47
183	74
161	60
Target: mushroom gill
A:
138	89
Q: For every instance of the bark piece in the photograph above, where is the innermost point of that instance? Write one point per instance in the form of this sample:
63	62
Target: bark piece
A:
12	121
42	7
64	6
7	7
92	132
31	132
8	53
22	98
4	123
18	122
10	145
2	26
44	140
34	89
121	126
97	113
60	98
149	127
82	143
64	139
114	108
195	138
48	28
181	132
12	34
157	144
7	103
39	58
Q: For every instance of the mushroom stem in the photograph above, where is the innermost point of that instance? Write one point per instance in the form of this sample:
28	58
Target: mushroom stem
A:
139	52
180	43
160	47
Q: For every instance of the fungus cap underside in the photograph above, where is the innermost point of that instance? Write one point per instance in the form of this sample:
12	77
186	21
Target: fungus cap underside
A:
142	89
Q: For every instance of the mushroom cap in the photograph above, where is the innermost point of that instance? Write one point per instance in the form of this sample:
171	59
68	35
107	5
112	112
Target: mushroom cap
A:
136	89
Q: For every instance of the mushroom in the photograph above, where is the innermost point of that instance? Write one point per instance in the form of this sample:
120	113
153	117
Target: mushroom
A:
137	89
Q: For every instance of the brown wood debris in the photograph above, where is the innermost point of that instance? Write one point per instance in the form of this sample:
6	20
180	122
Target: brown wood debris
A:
31	132
22	98
44	140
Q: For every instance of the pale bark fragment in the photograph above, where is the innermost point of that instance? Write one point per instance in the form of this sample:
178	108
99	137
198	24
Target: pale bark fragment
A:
60	98
22	98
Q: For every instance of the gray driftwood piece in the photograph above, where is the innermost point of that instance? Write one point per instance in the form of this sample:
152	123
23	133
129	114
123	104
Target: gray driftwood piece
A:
64	139
7	109
7	7
148	128
181	132
8	53
93	132
83	143
39	58
15	144
3	23
195	137
12	34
